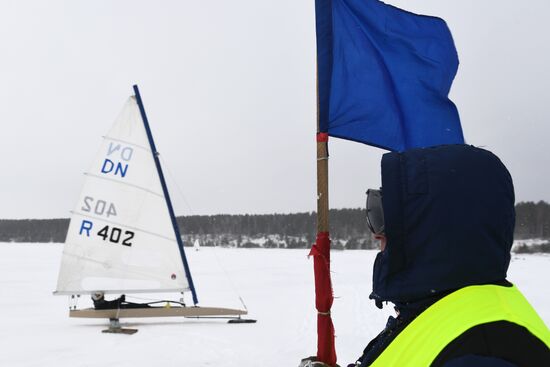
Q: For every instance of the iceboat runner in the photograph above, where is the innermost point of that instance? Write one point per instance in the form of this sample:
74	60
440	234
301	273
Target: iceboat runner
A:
123	237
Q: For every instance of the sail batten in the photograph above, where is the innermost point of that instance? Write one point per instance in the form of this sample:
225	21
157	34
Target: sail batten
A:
106	137
119	291
123	183
121	237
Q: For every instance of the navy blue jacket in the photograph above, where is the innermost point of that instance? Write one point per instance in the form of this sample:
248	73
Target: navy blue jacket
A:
449	222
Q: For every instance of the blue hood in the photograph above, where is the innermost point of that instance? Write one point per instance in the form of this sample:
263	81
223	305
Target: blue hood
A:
449	216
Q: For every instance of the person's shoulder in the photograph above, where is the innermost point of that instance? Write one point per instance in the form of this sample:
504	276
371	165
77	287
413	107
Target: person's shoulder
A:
502	341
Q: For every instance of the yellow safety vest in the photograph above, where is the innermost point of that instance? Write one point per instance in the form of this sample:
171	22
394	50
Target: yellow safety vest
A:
426	336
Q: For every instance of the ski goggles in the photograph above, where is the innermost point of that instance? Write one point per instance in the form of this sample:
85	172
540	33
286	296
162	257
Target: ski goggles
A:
375	211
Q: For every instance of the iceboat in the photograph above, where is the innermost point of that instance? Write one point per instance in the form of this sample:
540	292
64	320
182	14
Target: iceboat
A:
123	237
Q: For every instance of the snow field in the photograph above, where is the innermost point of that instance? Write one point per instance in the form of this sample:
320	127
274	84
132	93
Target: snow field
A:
276	285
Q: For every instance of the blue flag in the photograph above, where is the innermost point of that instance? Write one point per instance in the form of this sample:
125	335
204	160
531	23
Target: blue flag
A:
384	75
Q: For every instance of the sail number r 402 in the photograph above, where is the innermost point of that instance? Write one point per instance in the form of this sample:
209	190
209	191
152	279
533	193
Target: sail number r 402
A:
114	235
111	234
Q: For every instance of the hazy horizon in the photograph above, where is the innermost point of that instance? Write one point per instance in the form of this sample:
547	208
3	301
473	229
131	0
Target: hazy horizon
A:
229	89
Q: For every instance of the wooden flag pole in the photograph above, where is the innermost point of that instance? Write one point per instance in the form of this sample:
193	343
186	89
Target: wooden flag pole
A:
321	257
322	172
322	185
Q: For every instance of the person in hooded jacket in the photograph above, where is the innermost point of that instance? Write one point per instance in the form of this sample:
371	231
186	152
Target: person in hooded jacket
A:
445	219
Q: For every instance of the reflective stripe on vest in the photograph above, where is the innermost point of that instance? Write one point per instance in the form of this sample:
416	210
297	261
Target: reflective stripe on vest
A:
426	336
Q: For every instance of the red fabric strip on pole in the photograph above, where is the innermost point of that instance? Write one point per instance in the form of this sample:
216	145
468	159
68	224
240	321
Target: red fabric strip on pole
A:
322	138
320	251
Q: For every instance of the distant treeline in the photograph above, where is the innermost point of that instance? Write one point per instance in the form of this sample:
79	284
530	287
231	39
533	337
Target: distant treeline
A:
348	228
532	220
33	230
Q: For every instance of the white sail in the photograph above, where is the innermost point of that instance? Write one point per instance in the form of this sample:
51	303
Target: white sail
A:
120	237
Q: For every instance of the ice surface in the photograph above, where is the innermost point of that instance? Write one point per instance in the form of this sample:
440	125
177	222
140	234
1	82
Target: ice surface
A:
277	286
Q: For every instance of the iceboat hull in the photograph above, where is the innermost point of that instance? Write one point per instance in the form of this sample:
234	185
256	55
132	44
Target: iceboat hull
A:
157	312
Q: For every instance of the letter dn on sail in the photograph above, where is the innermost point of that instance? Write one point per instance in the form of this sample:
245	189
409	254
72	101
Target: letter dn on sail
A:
116	165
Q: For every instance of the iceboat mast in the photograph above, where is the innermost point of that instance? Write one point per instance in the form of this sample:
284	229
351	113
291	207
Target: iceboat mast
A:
166	194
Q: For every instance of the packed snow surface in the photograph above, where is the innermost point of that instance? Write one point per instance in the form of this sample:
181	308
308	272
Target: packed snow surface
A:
276	285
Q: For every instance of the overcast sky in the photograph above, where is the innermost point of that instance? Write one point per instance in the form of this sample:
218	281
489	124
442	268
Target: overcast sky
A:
229	88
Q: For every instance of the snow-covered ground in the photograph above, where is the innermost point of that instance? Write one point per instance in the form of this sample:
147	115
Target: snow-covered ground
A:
277	286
